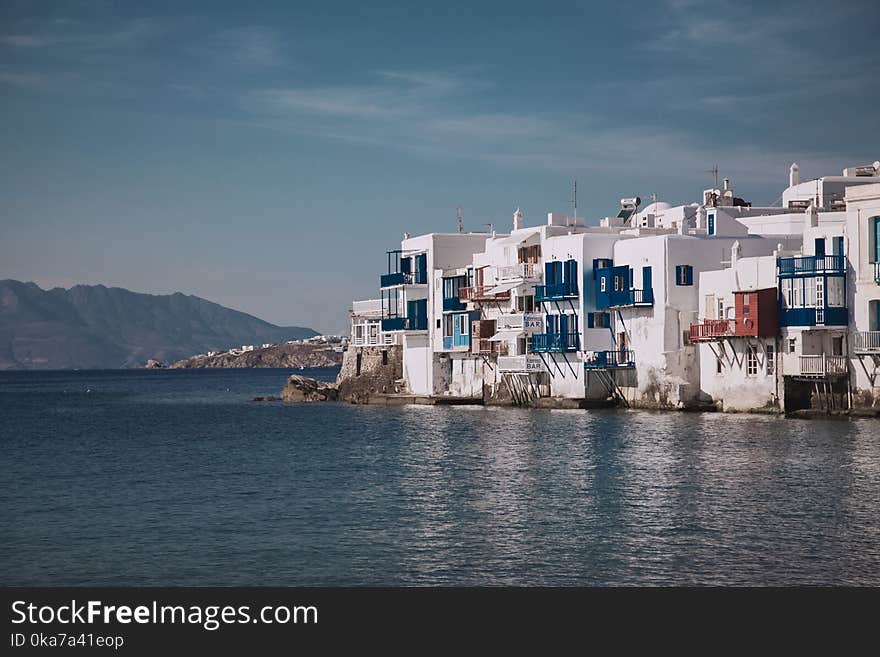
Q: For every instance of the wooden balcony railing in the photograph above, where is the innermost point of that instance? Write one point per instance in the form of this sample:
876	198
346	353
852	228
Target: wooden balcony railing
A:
712	329
482	293
822	365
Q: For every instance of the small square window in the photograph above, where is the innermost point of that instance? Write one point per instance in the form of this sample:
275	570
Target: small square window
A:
684	275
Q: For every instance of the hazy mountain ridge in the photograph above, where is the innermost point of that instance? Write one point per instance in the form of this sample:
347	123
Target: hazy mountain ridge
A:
93	326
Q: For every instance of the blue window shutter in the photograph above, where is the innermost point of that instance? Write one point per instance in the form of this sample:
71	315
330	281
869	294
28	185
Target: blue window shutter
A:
406	265
595	267
689	273
548	273
590	320
572	273
876	239
563	323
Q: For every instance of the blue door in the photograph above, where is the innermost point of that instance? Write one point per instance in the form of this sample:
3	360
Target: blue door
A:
838	245
647	282
820	247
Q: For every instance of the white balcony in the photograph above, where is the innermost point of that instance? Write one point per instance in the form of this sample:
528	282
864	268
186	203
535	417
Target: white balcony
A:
867	342
523	270
822	365
367	307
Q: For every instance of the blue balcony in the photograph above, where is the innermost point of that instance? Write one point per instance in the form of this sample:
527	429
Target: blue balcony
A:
390	280
404	324
417	277
453	303
556	291
393	323
555	342
813	317
456	341
811	265
625	298
607	360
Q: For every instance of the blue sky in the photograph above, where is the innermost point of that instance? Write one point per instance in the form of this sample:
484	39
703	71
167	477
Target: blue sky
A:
265	158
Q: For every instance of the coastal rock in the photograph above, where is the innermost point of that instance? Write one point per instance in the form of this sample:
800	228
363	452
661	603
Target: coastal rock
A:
154	364
303	389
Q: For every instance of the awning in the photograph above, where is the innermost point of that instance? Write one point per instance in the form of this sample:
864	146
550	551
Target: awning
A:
507	334
503	287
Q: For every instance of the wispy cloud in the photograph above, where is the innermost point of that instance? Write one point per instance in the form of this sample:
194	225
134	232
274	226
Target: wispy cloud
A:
66	35
249	46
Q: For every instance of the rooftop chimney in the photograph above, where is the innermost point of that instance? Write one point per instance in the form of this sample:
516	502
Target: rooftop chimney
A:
794	175
735	253
811	216
517	219
726	184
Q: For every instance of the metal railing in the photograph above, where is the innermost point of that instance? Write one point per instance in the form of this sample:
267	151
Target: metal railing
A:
556	342
404	324
453	303
621	298
822	365
867	342
520	270
711	329
811	265
618	358
418	277
556	291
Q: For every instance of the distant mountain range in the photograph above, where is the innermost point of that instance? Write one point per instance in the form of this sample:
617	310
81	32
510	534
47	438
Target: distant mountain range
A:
92	326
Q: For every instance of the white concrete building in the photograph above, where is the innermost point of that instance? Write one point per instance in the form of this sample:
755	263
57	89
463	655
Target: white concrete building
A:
717	302
863	248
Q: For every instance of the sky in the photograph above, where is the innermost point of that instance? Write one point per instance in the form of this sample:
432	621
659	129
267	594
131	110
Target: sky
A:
265	157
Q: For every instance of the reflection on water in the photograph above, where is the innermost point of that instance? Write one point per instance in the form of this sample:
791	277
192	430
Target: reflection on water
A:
177	478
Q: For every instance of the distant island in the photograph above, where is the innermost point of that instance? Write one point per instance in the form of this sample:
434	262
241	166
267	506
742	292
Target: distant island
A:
319	351
98	327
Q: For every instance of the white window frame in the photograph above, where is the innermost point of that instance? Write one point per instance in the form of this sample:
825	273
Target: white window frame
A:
751	361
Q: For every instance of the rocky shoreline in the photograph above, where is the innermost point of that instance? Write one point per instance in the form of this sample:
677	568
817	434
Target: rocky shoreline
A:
298	355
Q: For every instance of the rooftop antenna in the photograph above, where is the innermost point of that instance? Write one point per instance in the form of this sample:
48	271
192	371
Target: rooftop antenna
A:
714	170
458	214
574	201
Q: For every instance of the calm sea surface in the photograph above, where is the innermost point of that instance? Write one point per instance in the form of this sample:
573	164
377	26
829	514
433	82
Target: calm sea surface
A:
177	477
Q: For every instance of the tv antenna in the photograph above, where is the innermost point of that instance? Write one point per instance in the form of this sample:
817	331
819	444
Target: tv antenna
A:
714	170
574	200
458	214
